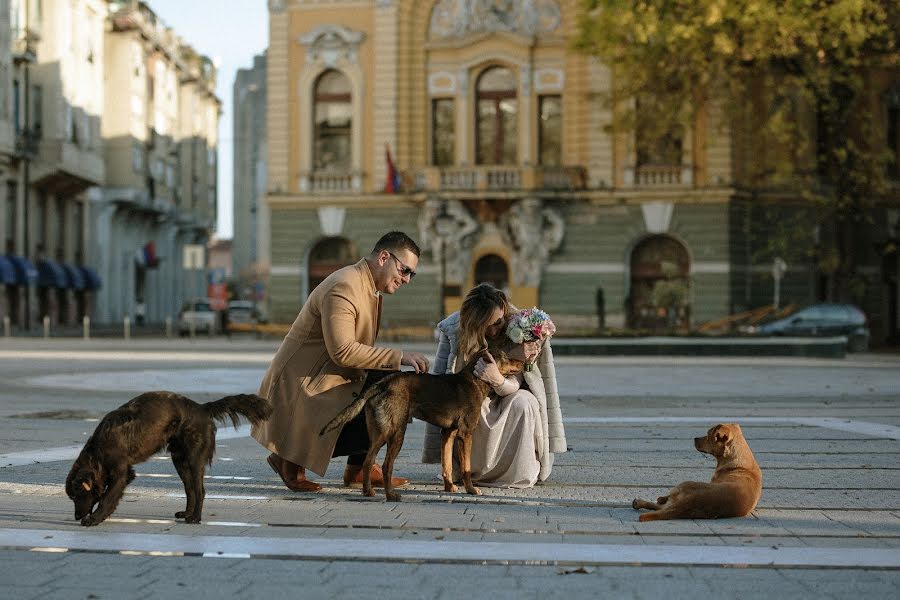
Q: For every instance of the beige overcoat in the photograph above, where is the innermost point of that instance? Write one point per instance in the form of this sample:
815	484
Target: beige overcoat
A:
321	363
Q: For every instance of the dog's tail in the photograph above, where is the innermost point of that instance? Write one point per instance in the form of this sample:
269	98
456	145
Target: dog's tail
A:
351	411
251	406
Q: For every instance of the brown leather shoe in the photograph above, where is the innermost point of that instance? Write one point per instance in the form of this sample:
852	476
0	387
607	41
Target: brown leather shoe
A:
353	476
298	484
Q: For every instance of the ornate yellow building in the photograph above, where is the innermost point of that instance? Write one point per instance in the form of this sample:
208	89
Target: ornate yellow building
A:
507	169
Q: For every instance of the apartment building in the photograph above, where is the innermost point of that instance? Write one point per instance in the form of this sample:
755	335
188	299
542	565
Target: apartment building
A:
250	245
475	127
108	163
160	124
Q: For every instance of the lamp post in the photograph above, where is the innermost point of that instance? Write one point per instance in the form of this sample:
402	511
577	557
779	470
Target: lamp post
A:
443	226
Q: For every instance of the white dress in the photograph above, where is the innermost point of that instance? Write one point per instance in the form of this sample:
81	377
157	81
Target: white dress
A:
507	444
512	446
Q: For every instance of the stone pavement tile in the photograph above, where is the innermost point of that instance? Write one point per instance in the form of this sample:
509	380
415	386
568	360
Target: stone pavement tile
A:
350	570
363	533
289	532
675	526
874	522
843	542
842	584
682	540
763	541
447	536
445	520
807	522
755	524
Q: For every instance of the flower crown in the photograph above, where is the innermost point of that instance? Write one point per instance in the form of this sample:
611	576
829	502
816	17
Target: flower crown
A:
530	325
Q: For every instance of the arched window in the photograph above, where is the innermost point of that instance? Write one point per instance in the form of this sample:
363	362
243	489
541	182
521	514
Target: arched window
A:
333	117
327	256
492	269
660	285
497	113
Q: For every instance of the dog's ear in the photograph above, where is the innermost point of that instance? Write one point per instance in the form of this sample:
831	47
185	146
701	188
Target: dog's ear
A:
722	435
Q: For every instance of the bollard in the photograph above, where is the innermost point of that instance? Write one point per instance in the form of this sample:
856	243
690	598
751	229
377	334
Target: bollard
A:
127	327
86	327
6	326
46	327
169	327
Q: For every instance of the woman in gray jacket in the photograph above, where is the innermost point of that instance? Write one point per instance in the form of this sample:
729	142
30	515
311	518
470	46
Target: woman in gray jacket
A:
521	427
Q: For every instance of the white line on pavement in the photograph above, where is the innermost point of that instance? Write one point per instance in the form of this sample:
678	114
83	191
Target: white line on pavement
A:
478	552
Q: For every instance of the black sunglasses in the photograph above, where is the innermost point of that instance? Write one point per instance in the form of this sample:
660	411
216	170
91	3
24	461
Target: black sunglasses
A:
403	269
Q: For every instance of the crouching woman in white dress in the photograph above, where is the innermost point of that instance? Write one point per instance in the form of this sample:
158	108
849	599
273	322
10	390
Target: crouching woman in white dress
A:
521	427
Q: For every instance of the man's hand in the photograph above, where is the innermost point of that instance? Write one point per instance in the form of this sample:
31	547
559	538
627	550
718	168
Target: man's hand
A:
415	360
487	370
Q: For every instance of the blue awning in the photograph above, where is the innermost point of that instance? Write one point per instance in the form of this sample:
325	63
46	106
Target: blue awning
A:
26	274
50	274
74	277
91	279
7	272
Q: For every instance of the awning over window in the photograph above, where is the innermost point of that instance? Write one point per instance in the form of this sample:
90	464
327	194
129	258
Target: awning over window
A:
26	274
7	272
91	279
50	274
74	277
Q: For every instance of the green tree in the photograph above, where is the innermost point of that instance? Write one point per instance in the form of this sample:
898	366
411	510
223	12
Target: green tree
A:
796	75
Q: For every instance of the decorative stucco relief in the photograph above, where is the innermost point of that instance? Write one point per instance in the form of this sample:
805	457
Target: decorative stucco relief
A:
459	238
456	18
331	43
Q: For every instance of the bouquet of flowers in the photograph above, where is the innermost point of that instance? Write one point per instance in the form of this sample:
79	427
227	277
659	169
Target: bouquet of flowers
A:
530	325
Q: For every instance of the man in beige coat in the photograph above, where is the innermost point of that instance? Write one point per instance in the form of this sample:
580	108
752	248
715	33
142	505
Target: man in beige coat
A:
325	360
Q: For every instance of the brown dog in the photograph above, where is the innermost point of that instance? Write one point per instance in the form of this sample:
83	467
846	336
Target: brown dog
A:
451	402
139	429
733	492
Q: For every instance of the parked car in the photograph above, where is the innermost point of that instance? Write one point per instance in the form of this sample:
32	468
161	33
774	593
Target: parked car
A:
242	312
822	320
198	314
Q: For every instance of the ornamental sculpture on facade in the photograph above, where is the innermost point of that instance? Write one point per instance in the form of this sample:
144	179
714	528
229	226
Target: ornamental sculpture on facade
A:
331	43
458	239
457	18
533	231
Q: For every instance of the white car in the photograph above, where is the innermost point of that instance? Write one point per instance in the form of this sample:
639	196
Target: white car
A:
199	316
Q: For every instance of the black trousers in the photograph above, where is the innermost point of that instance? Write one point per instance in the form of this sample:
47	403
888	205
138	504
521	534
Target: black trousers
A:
353	441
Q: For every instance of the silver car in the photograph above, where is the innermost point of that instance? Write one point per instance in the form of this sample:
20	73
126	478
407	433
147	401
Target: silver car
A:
198	316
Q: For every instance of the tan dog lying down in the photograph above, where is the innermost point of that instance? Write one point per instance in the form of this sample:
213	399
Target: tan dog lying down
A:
733	492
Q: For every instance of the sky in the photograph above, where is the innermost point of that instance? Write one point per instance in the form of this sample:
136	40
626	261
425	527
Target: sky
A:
231	33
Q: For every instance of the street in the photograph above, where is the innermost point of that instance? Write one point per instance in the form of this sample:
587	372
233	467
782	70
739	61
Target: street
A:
826	434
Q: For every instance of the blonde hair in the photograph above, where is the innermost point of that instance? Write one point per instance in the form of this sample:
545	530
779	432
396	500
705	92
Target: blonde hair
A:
474	319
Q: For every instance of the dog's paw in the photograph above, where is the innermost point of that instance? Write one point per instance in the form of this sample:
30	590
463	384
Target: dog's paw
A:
91	521
450	487
192	519
392	496
181	514
474	491
636	503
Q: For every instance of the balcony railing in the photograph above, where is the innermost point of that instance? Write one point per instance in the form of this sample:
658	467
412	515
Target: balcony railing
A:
499	178
658	175
330	182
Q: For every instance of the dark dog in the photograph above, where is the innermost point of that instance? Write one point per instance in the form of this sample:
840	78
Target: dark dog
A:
451	402
733	492
142	427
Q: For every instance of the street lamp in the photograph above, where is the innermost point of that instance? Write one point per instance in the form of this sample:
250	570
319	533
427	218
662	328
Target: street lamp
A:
443	226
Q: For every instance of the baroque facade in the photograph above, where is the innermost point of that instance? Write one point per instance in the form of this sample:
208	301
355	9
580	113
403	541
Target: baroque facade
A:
507	171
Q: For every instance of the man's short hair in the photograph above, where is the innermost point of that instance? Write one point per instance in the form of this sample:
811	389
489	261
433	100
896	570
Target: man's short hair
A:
396	241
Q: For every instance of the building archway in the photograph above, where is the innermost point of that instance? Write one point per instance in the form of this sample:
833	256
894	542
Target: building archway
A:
492	269
327	256
660	291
